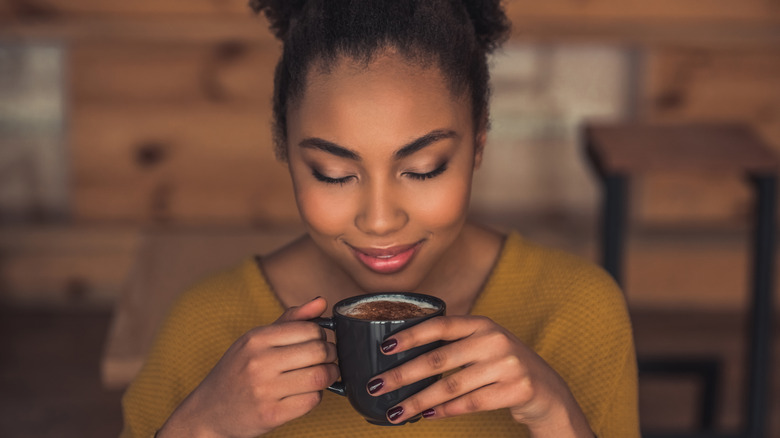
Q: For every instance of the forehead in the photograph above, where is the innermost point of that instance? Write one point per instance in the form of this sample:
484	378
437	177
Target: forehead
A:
388	98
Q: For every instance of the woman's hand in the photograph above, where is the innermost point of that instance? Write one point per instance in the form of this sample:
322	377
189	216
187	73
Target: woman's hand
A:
498	371
269	376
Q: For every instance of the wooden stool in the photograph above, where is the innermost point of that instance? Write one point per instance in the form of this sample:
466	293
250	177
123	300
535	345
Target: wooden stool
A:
619	152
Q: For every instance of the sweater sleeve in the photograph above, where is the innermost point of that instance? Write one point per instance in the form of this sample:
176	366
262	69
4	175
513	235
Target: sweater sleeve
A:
575	317
201	326
589	342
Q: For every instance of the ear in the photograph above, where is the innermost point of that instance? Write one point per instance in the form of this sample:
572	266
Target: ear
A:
479	144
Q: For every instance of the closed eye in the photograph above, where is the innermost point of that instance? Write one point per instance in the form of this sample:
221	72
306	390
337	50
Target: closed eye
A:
328	180
432	174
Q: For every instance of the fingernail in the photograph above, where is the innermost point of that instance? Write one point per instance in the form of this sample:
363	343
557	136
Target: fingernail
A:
318	296
394	413
428	413
389	345
375	385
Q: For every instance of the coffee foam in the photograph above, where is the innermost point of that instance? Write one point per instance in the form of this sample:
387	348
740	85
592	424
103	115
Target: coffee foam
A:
384	297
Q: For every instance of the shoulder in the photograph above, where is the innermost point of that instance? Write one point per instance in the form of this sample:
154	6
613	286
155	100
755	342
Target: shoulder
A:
234	299
558	294
552	269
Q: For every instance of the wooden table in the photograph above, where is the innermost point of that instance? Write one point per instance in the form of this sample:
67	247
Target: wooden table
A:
622	151
168	262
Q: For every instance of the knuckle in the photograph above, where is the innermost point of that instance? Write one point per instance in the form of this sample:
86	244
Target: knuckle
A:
436	359
312	330
333	372
322	352
311	400
444	324
526	389
253	339
414	405
499	340
332	352
451	384
473	403
308	329
513	362
320	377
483	321
255	366
395	376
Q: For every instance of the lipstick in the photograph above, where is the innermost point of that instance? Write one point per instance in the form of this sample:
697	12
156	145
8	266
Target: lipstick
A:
386	260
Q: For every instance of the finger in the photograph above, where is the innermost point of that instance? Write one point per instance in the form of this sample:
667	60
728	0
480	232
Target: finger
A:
437	361
440	328
282	334
312	309
448	388
303	380
486	398
305	354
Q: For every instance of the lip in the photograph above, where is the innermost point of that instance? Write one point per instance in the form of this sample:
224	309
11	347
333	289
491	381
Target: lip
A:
386	260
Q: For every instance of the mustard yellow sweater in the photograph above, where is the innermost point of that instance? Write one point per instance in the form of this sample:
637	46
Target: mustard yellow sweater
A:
568	310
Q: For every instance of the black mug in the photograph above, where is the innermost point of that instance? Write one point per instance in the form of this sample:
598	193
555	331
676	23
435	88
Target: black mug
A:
360	357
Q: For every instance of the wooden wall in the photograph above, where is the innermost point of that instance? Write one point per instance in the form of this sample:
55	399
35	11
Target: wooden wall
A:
159	90
175	132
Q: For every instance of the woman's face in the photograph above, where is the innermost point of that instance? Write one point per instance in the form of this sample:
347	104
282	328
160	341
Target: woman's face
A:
381	159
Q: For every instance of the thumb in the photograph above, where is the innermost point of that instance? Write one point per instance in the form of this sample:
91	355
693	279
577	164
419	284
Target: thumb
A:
306	311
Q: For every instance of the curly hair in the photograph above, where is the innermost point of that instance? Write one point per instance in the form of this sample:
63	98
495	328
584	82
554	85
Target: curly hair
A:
457	35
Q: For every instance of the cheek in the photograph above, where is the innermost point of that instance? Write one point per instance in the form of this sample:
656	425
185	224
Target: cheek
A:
444	205
322	210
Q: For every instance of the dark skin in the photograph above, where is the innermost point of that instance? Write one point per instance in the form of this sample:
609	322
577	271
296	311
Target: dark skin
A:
373	177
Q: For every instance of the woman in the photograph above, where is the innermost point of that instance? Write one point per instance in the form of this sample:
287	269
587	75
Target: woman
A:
381	115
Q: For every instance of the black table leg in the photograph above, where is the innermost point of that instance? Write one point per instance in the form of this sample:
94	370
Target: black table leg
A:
761	306
613	224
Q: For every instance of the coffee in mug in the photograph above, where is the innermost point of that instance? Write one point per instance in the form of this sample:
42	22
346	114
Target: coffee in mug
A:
382	309
361	324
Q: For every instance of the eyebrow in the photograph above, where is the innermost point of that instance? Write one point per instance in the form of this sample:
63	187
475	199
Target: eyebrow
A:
408	149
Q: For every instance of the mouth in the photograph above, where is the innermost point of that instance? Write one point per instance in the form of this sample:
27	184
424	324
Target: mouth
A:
386	260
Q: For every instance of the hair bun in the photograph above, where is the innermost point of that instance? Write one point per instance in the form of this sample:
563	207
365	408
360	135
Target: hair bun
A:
491	26
279	13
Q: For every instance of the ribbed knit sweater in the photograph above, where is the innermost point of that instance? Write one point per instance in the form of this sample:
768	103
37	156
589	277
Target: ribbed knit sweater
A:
565	308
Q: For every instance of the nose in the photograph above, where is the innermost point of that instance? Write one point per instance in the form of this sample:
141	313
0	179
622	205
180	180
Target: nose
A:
381	212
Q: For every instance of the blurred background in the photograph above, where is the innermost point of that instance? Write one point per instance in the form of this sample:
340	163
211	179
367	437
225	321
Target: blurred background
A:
136	157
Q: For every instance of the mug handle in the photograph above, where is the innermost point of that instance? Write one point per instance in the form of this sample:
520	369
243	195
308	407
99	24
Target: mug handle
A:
330	324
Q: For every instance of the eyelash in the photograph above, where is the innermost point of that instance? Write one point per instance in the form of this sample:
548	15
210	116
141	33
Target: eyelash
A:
432	174
417	176
328	180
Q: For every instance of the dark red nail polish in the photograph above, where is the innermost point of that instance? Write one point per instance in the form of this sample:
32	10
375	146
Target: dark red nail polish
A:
375	385
394	413
428	413
389	345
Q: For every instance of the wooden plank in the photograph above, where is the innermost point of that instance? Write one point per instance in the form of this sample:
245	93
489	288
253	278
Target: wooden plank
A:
695	84
132	72
650	33
65	267
60	9
685	84
755	10
684	274
177	164
635	149
203	29
722	10
708	201
716	23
